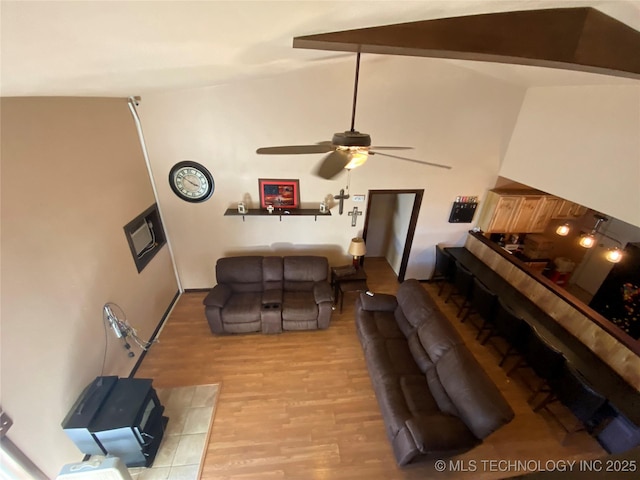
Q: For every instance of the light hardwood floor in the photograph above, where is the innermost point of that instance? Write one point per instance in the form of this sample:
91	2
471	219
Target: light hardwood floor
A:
300	405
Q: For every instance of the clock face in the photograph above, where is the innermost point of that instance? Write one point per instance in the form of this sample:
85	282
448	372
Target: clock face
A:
191	181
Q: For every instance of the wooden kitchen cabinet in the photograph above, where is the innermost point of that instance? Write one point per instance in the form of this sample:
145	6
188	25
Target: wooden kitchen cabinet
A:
498	212
567	209
542	216
525	216
516	211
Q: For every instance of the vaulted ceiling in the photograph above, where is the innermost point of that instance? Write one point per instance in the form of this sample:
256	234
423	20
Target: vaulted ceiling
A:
121	48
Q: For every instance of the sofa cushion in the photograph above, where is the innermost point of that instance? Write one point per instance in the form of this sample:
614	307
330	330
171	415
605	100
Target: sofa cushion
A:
272	268
299	306
301	272
437	336
437	432
272	297
243	308
420	355
478	401
375	324
415	302
242	274
440	395
417	395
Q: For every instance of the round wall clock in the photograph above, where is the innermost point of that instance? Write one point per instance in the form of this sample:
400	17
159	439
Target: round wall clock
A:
191	181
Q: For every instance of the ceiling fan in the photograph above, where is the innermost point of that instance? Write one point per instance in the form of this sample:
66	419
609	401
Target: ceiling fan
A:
346	150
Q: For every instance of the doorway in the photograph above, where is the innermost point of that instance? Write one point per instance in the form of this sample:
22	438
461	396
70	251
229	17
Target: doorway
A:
389	226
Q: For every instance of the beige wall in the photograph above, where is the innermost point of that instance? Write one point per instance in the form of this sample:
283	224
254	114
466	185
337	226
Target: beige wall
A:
72	176
449	115
582	144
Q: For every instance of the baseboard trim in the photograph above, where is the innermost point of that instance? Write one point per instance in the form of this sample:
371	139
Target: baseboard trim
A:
196	290
155	332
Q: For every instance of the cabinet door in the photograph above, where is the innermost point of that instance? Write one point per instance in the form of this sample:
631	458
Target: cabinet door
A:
567	209
503	214
525	215
543	214
578	210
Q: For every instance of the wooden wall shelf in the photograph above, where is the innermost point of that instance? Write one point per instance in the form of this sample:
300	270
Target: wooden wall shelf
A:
294	212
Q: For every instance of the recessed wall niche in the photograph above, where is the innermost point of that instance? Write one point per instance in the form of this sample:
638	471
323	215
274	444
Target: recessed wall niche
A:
145	235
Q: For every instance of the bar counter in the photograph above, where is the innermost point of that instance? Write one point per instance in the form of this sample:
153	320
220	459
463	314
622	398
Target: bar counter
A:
620	394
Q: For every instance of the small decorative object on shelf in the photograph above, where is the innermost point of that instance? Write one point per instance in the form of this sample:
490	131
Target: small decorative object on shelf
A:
270	209
323	207
463	210
242	208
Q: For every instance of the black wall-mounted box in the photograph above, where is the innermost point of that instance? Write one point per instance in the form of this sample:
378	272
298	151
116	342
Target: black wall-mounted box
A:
462	212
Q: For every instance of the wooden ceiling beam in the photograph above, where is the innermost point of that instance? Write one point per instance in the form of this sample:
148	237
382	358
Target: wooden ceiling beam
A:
582	39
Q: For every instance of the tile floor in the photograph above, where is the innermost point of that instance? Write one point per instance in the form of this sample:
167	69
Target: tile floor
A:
190	411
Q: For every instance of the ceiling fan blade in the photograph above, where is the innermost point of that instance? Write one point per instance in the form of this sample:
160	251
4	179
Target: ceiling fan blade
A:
390	148
332	164
295	149
411	160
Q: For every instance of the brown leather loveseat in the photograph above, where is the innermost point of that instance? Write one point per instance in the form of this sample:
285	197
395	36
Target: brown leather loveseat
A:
269	294
435	398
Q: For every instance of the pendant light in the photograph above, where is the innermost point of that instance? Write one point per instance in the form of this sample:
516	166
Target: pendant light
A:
588	240
613	255
563	230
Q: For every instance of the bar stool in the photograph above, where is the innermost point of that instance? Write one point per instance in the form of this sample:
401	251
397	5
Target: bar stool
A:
463	283
482	304
444	271
544	360
513	329
574	392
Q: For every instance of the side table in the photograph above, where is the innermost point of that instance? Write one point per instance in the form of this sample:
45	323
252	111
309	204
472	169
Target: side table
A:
352	286
342	276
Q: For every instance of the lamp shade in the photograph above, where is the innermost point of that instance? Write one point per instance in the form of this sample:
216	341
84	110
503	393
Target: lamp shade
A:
357	248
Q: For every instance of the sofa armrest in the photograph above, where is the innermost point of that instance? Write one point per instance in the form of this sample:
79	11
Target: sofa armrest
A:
322	292
218	296
439	432
378	302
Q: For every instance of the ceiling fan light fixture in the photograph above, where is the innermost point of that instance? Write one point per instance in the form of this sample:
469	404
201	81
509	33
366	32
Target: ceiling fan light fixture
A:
357	156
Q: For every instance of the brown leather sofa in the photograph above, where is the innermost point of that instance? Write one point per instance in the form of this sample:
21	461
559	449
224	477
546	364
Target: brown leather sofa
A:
269	294
435	398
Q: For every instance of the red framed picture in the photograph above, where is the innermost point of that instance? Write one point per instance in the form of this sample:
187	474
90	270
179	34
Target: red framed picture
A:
279	193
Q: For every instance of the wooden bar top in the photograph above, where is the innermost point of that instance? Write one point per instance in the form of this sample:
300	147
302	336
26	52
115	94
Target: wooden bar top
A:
604	379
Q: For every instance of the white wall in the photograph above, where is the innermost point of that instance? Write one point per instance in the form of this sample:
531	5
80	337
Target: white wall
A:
72	176
400	226
379	228
582	144
449	114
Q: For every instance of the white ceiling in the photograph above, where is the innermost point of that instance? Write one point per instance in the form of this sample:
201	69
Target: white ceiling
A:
122	48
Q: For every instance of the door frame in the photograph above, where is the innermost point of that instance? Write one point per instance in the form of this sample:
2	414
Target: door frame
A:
413	222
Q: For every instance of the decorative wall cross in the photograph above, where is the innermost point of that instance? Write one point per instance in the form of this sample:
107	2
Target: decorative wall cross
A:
354	214
342	197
